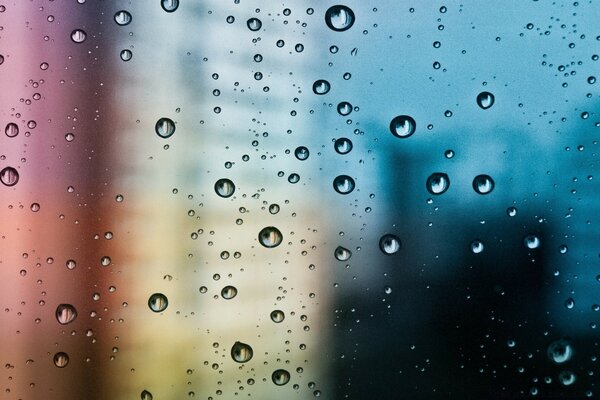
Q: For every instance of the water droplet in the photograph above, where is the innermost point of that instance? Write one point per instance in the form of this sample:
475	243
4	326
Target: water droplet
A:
65	313
343	184
61	359
122	17
563	248
483	184
274	208
277	316
294	178
241	352
35	207
146	395
387	289
165	127
449	153
11	130
78	36
511	211
321	86
343	145
339	18
280	377
344	108
438	183
71	264
567	378
270	237
229	292
560	351
254	24
342	253
126	55
569	303
301	153
158	302
9	176
169	5
477	246
224	187
485	100
403	126
389	244
532	242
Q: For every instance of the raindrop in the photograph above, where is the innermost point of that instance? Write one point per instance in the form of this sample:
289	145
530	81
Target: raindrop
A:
241	352
277	316
254	24
339	18
344	108
11	130
532	242
169	5
389	244
343	184
65	314
438	183
158	302
78	36
229	292
165	127
342	254
477	246
343	145
61	359
280	377
485	100
560	351
483	184
566	378
403	126
224	187
126	55
9	176
122	17
270	237
146	395
321	86
301	153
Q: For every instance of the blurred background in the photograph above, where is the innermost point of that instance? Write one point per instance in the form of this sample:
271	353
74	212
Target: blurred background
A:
257	200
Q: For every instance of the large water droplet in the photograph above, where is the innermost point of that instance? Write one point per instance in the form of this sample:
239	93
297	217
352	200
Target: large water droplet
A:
126	54
123	17
567	378
280	377
560	351
483	184
339	18
342	253
485	100
403	126
301	153
321	86
158	302
9	176
343	184
229	292
65	313
224	187
169	5
270	237
241	352
61	359
277	316
389	244
78	36
11	129
343	145
438	183
344	108
165	127
532	242
146	395
254	24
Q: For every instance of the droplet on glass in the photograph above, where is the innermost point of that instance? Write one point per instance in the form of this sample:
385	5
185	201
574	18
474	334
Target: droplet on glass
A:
569	303
65	314
560	351
11	130
126	54
224	187
342	253
122	17
35	207
301	153
438	183
343	145
78	36
477	246
280	377
165	127
229	292
485	100
9	176
277	316
344	108
71	264
241	352
61	359
403	126
511	211
532	242
567	378
254	24
389	244
146	395
274	208
321	86
483	184
169	5
158	302
343	184
270	237
339	18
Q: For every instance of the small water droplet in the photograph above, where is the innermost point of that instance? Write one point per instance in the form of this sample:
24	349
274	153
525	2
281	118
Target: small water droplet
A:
61	359
342	253
301	153
146	395
277	316
158	302
344	108
224	187
254	24
165	127
569	303
485	100
126	54
511	211
78	36
403	126
560	351
65	314
449	153
390	244
483	184
477	246
169	5
280	377
532	242
343	184
339	18
11	130
438	183
229	292
343	145
567	378
270	237
241	352
9	176
321	86
35	207
122	17
274	208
